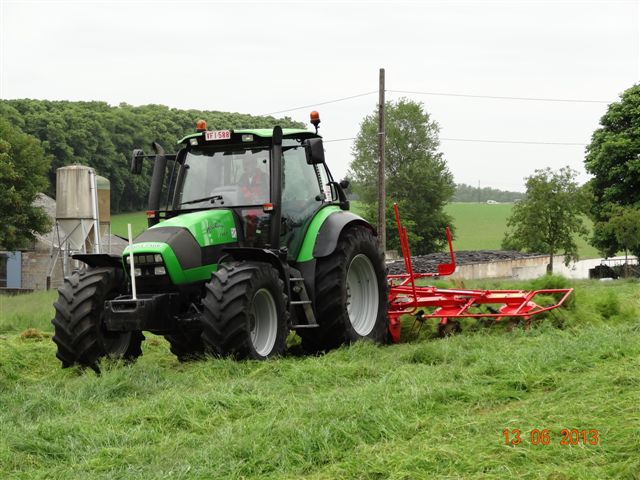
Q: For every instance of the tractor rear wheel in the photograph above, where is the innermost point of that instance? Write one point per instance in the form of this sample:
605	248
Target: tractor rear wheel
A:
351	294
186	345
79	331
244	313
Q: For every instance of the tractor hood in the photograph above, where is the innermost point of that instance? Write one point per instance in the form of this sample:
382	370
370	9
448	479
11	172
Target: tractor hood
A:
190	244
210	227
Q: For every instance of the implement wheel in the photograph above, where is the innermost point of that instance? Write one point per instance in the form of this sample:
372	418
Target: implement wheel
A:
351	294
78	325
244	312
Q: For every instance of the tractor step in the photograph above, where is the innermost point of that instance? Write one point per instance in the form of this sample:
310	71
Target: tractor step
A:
303	301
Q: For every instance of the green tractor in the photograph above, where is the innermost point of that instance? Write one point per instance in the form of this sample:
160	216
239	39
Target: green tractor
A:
256	240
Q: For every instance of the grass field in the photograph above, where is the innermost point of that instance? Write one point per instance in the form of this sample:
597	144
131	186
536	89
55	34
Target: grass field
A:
426	408
479	226
138	221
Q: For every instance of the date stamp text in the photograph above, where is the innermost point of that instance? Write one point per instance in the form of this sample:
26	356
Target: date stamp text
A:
544	436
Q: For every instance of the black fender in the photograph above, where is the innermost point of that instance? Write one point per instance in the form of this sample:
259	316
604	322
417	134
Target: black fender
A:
332	227
100	259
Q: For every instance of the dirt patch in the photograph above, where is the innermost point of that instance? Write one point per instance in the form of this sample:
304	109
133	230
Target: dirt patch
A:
34	334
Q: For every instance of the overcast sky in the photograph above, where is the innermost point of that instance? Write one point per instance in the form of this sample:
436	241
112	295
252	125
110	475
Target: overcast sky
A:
263	57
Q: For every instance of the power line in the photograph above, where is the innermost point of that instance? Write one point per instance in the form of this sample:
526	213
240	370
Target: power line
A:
339	140
444	94
499	97
524	142
321	103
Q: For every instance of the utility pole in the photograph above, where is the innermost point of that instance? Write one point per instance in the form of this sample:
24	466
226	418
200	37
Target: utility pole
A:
382	234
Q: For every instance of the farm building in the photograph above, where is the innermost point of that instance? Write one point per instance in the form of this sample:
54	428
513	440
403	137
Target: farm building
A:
36	267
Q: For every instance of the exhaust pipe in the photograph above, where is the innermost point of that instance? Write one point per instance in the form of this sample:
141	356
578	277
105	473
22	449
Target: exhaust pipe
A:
157	178
276	187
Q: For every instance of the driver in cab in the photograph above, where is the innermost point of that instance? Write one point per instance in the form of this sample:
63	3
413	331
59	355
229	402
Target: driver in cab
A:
253	183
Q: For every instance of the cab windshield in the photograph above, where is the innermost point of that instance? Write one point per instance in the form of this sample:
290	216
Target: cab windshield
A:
230	179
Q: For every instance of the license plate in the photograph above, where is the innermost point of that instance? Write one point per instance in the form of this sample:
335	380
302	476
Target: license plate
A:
217	135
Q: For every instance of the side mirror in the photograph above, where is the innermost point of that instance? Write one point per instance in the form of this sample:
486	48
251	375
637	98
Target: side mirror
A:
136	161
314	150
345	184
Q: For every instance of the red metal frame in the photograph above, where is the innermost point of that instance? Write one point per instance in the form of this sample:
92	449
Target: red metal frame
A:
405	297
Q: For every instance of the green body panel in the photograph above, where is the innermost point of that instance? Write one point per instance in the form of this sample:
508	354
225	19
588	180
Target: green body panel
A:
209	227
306	251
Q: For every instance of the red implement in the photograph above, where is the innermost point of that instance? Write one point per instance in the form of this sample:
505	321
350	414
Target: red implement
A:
405	297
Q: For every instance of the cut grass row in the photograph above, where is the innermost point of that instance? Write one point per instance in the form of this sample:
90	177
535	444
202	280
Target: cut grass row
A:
427	408
479	226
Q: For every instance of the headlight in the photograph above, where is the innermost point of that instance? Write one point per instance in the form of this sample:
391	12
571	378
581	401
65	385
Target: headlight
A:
147	264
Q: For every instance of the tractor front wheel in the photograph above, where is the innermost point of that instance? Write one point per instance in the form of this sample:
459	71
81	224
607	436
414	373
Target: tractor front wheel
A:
351	294
245	312
79	331
186	345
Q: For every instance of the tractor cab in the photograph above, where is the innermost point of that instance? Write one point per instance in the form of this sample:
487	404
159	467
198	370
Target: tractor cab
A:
271	201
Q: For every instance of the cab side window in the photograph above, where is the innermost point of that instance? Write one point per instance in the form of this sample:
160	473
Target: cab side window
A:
302	195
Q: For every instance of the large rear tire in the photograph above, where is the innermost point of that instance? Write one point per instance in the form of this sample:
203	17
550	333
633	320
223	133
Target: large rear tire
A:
78	325
351	294
244	313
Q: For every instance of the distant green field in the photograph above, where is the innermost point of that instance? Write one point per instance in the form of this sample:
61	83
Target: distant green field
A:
479	226
138	221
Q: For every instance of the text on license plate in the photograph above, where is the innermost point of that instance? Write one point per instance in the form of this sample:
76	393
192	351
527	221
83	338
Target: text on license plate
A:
217	135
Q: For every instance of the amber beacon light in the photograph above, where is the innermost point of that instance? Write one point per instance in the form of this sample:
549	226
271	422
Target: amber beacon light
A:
315	119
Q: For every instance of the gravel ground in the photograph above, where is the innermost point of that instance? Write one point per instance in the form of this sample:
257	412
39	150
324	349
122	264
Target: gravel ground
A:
428	263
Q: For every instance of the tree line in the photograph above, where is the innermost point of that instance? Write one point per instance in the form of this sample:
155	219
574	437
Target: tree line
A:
102	136
469	193
38	136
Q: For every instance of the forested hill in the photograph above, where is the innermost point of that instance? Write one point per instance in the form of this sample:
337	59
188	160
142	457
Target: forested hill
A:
103	136
468	193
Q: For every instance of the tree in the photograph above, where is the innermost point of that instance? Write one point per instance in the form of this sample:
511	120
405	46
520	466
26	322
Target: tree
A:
23	168
550	216
624	226
613	158
417	176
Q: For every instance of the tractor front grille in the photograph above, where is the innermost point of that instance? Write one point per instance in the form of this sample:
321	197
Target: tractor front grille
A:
148	264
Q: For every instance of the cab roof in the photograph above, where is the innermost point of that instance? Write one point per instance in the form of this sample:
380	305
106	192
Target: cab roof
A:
261	132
